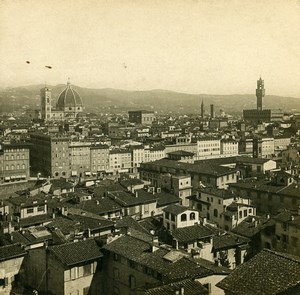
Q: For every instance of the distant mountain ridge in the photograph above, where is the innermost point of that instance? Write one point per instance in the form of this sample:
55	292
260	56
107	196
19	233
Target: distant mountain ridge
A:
115	100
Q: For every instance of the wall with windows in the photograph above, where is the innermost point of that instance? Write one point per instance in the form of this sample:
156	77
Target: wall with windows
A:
33	210
78	279
122	275
187	218
14	164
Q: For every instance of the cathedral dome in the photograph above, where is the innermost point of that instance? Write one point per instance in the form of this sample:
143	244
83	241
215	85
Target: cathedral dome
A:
69	98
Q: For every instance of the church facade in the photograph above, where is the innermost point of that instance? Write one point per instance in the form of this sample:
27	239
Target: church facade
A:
68	106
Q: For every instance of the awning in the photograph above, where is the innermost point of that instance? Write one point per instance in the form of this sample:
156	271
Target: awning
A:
13	177
87	173
7	178
23	176
74	173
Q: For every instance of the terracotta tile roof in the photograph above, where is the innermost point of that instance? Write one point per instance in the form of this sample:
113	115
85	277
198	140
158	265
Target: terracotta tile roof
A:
11	251
98	206
252	225
35	220
199	168
175	209
190	287
191	233
228	241
267	273
140	252
164	198
32	236
77	252
126	199
129	222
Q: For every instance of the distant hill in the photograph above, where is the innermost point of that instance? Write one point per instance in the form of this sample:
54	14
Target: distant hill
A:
116	100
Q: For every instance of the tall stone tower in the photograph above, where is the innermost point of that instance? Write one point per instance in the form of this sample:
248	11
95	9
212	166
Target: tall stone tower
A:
212	111
260	93
46	103
202	109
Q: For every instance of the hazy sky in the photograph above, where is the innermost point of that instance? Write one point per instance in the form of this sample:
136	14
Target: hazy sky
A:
214	47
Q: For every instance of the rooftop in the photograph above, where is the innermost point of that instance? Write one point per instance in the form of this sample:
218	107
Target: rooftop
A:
77	252
266	273
191	233
175	209
11	251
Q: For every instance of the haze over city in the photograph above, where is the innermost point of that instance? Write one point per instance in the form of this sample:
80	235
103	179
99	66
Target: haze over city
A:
213	47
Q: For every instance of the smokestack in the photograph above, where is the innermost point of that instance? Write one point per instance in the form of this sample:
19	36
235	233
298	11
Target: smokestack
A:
212	111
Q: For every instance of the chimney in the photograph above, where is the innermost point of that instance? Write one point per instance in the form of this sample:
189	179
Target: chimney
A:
268	216
136	194
181	291
217	262
88	232
204	221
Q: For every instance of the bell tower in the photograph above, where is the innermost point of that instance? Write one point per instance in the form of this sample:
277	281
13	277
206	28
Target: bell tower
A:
46	103
260	93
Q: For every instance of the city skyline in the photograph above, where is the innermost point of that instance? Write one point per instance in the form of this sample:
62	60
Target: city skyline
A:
213	47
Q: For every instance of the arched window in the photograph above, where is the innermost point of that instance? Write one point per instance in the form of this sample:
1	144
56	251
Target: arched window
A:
56	174
192	216
23	166
216	213
183	217
12	167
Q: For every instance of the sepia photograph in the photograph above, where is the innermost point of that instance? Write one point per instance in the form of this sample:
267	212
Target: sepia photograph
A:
150	147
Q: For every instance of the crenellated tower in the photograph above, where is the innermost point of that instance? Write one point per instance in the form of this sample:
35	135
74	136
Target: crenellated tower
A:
260	93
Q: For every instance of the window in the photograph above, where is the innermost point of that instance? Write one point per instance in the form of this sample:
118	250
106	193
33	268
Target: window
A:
131	282
172	217
192	216
87	269
29	210
116	273
183	217
294	241
116	257
241	214
216	214
86	290
41	208
131	263
245	213
167	215
146	208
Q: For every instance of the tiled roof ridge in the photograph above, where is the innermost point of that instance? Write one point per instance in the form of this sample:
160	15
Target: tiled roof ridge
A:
283	255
